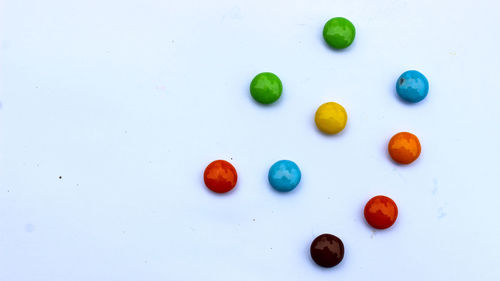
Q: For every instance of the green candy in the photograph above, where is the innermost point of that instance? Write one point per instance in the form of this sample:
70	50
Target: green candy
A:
266	87
339	33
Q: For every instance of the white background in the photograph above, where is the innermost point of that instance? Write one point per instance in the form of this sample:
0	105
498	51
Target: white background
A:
128	101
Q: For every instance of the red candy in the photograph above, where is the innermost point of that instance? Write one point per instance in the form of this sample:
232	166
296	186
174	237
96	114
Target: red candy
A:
381	212
220	176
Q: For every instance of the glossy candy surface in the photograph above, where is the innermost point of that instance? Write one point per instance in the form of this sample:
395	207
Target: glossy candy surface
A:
404	148
327	250
266	88
220	176
412	86
339	33
381	212
331	118
284	175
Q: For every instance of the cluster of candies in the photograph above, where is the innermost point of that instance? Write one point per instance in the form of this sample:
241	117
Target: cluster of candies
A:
380	212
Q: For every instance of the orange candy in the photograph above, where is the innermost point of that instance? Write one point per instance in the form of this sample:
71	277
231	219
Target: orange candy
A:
404	148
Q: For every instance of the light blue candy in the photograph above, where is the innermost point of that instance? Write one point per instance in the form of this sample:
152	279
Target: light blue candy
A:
412	86
284	175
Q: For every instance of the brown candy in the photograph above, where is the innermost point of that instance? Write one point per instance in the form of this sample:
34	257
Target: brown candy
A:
327	250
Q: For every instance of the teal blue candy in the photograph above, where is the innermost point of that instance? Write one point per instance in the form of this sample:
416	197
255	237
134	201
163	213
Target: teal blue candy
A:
284	175
412	86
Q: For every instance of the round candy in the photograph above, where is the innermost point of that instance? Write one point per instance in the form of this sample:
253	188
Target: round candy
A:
331	118
220	176
284	175
404	148
327	250
266	87
339	33
381	212
412	86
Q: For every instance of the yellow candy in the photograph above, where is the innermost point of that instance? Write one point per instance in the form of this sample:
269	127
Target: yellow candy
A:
330	118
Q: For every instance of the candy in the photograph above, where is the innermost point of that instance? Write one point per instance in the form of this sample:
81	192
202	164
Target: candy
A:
220	176
381	212
327	250
284	175
404	148
266	88
339	33
331	118
412	86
